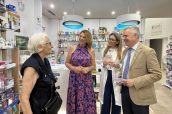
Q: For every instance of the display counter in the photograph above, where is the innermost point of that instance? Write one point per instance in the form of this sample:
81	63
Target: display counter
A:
62	74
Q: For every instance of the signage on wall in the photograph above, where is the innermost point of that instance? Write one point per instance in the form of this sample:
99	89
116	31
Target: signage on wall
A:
156	29
38	21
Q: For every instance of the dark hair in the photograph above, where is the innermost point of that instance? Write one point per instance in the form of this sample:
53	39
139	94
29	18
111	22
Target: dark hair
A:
118	46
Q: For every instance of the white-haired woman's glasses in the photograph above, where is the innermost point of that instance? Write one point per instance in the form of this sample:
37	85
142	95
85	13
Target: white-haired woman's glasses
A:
48	43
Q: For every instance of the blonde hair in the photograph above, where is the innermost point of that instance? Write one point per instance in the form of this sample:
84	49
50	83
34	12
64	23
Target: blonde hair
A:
36	40
88	37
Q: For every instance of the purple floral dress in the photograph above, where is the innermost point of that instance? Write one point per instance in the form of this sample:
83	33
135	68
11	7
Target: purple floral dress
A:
81	97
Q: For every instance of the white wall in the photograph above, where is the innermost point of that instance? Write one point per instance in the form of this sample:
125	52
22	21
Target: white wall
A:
158	28
37	16
45	24
28	17
52	32
51	29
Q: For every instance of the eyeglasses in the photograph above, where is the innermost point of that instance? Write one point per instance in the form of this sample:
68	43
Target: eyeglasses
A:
114	40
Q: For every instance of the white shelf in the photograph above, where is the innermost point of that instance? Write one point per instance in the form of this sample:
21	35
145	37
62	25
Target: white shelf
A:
8	66
167	85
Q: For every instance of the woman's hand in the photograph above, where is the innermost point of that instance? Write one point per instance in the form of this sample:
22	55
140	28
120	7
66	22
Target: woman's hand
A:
85	70
107	61
113	64
78	69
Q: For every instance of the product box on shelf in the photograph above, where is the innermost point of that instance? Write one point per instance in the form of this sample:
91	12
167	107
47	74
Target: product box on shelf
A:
9	58
6	65
8	99
6	83
2	85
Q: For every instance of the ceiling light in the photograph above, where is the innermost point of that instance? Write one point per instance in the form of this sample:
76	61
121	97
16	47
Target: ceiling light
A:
73	21
52	6
126	20
88	13
138	12
65	13
113	13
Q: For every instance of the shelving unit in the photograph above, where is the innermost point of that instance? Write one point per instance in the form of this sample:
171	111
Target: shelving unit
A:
9	79
65	40
9	64
168	82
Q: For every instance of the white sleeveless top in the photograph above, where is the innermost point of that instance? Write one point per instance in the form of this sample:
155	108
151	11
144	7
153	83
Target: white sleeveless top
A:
112	55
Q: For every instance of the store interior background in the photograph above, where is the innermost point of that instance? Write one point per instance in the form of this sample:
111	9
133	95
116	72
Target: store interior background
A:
155	13
34	17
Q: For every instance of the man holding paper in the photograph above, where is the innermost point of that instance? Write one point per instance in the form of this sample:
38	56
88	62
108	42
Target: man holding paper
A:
139	71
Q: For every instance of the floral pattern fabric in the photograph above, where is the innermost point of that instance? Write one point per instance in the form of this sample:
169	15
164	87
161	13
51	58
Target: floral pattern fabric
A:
81	97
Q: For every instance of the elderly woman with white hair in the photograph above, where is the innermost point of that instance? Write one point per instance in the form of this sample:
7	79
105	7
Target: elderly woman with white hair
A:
37	75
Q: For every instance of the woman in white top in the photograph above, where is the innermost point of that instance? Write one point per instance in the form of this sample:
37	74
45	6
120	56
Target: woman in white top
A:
110	96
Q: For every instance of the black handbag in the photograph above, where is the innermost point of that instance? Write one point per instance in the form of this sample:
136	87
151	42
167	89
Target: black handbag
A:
53	105
55	102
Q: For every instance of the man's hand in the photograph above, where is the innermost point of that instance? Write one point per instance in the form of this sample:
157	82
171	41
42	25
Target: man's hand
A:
128	82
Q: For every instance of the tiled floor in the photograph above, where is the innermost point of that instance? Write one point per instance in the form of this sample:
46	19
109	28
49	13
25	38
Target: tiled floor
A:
164	97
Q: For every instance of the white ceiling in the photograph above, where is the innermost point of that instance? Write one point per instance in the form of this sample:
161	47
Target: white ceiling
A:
103	8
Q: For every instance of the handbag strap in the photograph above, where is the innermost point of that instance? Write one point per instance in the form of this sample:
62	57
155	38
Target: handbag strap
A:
47	73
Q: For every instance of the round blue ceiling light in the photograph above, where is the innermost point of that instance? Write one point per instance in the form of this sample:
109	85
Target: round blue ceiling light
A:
72	24
125	25
128	20
73	21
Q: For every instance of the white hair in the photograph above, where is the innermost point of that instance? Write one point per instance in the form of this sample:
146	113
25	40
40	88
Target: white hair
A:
135	28
36	40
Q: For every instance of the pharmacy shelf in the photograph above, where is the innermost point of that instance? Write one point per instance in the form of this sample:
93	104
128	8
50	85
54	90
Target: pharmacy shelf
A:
8	66
15	102
167	85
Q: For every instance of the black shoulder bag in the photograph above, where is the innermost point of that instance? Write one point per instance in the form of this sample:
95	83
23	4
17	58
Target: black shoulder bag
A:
53	105
55	102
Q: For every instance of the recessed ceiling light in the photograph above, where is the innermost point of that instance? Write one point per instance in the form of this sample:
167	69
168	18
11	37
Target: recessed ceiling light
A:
88	13
65	13
113	13
138	12
52	6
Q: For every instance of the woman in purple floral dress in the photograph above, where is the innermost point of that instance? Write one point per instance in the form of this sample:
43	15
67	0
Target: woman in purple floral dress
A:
81	61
